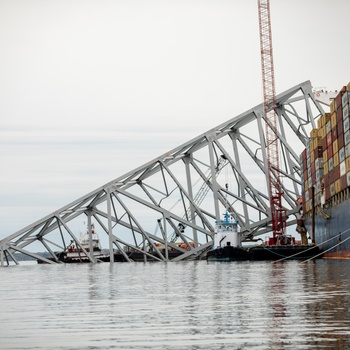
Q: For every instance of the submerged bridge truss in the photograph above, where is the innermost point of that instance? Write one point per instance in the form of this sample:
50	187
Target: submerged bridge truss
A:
143	210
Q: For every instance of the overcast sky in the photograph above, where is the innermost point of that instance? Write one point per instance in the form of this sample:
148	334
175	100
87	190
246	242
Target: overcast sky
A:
92	89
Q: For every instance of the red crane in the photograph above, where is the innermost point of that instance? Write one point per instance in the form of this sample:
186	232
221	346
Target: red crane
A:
278	213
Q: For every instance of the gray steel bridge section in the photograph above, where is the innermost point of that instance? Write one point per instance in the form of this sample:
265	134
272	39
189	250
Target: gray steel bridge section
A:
153	207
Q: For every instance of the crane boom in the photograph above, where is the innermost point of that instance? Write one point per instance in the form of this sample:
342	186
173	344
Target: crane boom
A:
198	199
278	213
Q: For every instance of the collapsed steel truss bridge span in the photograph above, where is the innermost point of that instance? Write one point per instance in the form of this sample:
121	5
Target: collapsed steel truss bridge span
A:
170	204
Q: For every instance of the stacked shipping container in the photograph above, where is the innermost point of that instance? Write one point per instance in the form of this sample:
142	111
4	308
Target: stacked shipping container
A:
326	160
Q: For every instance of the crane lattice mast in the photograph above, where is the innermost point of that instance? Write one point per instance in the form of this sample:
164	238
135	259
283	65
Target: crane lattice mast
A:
278	213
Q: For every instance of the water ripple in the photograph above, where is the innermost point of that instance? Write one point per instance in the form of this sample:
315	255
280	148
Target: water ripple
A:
189	305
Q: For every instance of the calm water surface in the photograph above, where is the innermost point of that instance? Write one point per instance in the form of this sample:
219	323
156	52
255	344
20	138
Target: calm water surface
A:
188	305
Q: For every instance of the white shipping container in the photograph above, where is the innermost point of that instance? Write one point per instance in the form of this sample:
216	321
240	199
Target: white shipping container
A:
301	159
342	154
310	182
346	124
318	186
319	174
342	168
347	137
346	111
318	199
307	152
330	164
307	196
347	151
319	163
345	99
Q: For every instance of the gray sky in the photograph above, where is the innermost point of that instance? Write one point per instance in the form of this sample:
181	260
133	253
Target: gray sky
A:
92	89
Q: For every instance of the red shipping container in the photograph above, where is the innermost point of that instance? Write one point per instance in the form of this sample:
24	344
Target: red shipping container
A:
341	142
343	182
340	126
305	175
330	151
304	164
331	176
310	194
324	143
336	173
326	180
303	155
339	97
329	139
339	113
313	177
334	133
313	168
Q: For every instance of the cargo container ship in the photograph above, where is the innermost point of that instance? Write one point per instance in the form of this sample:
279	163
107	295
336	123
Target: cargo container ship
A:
326	179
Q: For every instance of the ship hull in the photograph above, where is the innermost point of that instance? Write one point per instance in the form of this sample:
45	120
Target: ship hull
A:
332	230
289	252
228	253
262	252
140	257
118	257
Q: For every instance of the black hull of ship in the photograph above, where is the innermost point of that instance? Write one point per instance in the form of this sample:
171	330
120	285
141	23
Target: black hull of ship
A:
118	257
260	253
332	230
84	260
289	252
62	257
228	253
140	257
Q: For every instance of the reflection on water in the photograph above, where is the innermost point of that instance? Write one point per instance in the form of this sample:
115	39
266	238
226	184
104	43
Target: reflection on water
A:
188	305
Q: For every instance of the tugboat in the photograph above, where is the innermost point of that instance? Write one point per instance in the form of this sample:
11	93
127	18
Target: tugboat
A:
74	253
226	244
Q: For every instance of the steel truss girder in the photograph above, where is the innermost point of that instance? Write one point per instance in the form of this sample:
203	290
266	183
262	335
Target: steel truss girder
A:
162	193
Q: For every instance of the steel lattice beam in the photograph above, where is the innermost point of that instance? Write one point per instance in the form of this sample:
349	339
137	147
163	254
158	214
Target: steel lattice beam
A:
143	208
